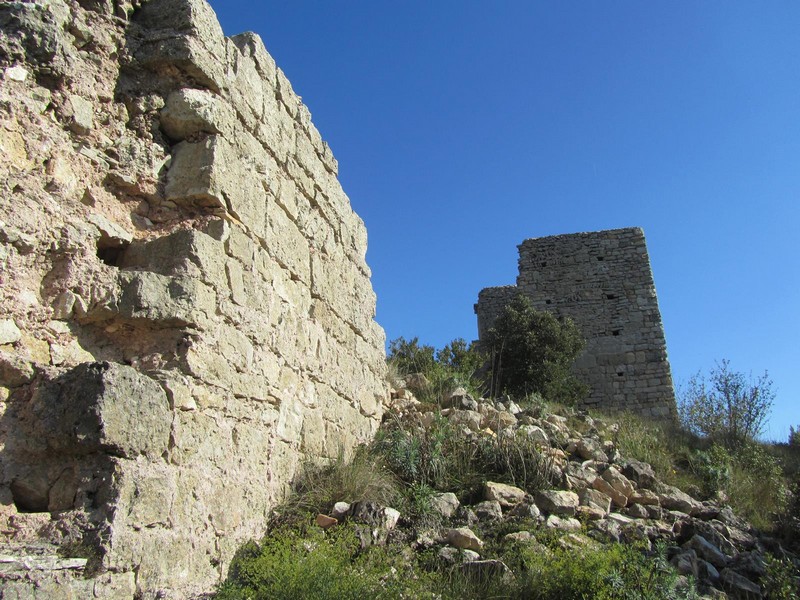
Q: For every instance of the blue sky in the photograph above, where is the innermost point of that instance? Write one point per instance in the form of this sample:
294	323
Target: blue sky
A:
463	128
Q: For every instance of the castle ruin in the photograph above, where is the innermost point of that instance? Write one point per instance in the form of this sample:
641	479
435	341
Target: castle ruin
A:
601	280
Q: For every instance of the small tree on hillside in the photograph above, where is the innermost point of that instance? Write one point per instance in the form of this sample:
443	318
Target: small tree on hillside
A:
533	351
726	406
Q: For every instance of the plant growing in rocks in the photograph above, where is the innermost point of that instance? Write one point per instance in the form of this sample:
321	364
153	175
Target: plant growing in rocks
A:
727	406
433	373
532	351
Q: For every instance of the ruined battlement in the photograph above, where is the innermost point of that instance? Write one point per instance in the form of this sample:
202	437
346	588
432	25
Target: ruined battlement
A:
603	281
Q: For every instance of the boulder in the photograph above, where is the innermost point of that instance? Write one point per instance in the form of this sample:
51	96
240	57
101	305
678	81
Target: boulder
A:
619	482
738	586
488	510
558	502
459	398
672	498
618	498
707	551
9	332
445	504
590	449
565	524
536	434
645	497
525	510
341	510
640	472
487	570
506	495
463	538
595	500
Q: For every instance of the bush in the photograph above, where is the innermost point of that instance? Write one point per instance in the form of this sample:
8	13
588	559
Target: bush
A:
408	356
312	565
794	436
727	406
455	365
615	571
533	351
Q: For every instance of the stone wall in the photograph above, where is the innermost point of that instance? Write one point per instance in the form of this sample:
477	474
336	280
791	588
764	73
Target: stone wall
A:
603	281
187	313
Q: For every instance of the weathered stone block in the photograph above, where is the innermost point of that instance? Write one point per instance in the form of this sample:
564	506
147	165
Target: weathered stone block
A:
189	112
103	407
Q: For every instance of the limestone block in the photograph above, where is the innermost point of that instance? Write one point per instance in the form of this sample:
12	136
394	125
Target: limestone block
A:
198	173
463	538
251	46
247	88
103	407
506	495
80	113
285	243
558	502
188	112
194	41
9	332
170	301
277	131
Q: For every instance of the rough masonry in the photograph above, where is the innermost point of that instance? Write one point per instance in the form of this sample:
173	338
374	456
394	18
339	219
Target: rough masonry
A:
187	314
601	280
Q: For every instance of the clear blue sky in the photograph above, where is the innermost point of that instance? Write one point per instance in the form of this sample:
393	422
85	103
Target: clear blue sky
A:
462	128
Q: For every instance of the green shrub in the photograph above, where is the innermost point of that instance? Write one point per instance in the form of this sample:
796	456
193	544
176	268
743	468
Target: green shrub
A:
656	443
515	460
604	573
309	564
414	453
533	351
727	406
455	365
757	488
408	356
713	469
781	580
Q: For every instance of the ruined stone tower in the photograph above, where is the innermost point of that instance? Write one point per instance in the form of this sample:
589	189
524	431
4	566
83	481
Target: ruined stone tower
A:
603	281
187	314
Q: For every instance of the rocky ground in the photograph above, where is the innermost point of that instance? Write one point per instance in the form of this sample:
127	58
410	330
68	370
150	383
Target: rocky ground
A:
598	496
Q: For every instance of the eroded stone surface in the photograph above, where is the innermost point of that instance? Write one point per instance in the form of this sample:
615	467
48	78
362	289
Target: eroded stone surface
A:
187	310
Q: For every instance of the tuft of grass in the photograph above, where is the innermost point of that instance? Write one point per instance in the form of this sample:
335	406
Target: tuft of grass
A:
364	477
442	457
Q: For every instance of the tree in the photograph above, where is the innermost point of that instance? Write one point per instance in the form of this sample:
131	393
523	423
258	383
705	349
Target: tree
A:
727	406
533	351
410	357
